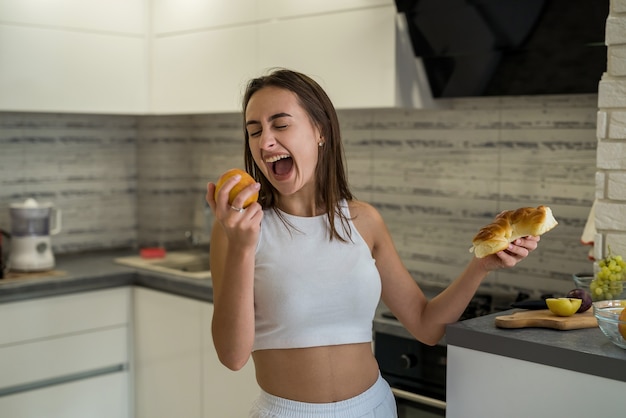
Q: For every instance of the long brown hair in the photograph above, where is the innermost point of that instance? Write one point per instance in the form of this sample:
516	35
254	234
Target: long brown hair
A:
330	175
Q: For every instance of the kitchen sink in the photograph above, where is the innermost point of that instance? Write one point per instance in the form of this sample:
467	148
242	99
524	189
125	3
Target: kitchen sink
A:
193	264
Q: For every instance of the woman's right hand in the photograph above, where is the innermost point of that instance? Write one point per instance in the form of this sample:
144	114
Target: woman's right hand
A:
240	226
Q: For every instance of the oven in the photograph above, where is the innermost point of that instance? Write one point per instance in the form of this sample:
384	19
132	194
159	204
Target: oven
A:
415	371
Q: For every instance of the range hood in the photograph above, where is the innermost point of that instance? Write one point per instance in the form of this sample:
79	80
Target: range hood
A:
508	47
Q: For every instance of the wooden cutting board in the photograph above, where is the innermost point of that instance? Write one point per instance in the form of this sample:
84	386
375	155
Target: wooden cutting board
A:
543	318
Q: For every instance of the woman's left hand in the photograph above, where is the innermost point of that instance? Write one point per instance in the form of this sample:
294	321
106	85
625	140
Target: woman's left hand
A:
517	251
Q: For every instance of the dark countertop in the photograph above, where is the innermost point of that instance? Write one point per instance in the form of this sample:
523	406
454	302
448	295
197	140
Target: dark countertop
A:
95	271
583	350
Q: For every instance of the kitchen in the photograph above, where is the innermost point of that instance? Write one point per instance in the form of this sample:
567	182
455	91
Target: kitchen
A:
128	174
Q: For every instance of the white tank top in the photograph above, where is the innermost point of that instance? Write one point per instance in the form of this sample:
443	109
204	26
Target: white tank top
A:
310	291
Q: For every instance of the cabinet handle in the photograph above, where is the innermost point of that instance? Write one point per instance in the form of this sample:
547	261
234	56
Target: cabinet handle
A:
11	390
414	397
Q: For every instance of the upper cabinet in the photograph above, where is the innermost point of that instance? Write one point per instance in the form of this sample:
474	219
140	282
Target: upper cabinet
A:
171	16
358	50
355	55
195	56
73	55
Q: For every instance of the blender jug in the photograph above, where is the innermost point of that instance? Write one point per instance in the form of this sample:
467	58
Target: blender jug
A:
32	224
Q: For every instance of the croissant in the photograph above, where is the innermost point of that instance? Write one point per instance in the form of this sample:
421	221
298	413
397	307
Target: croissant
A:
511	225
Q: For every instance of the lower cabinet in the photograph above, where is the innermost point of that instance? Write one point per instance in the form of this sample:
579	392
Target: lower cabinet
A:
103	396
176	370
66	356
481	384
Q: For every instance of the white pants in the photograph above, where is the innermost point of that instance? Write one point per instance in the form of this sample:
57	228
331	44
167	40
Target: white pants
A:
376	402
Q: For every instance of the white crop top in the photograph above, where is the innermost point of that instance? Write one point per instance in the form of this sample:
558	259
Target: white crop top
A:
310	291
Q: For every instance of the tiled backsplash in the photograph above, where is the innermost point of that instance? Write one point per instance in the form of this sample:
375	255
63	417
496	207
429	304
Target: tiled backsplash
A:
436	175
84	164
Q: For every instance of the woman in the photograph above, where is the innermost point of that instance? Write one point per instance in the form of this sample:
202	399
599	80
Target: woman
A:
298	275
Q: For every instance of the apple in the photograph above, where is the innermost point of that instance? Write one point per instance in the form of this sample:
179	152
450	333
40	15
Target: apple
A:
563	306
584	296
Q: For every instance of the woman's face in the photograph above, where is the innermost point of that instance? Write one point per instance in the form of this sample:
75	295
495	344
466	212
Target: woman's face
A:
283	141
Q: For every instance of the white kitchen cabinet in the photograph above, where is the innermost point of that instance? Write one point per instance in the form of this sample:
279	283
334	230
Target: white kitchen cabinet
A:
203	71
167	355
195	56
481	384
66	356
96	397
176	368
359	51
68	55
353	57
124	16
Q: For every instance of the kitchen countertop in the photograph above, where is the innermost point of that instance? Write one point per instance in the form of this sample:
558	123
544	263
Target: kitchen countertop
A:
586	350
94	271
583	350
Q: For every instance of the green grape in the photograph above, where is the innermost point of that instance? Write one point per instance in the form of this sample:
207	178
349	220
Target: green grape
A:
608	282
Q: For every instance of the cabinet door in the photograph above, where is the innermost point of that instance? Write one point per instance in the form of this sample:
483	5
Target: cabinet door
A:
177	372
98	397
353	56
167	355
227	394
65	315
203	71
80	56
481	384
62	357
65	356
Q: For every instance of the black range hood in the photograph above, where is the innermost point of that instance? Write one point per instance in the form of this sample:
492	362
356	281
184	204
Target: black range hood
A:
508	47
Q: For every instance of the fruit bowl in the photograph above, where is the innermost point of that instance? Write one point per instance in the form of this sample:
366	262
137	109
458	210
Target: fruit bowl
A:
612	290
607	312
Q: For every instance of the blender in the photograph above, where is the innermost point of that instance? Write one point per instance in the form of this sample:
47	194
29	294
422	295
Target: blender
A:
31	228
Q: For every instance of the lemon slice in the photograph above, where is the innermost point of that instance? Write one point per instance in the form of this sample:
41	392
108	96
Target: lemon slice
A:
563	306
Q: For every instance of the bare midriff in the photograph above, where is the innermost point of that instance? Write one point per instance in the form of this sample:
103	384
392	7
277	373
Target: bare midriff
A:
317	374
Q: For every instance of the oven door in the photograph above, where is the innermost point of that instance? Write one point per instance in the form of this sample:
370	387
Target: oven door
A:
412	405
416	373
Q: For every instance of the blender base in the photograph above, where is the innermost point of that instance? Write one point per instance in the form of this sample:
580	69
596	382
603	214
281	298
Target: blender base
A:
30	254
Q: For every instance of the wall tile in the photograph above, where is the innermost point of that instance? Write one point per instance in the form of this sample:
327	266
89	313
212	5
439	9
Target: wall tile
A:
611	155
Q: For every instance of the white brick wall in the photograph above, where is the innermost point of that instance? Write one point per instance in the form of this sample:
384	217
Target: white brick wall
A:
610	214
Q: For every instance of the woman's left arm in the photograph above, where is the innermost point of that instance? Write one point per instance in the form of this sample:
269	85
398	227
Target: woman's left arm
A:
426	319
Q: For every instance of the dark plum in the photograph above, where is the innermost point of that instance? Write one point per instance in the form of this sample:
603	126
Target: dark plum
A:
581	294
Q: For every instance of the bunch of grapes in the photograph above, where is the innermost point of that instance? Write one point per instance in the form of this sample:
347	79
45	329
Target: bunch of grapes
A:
608	282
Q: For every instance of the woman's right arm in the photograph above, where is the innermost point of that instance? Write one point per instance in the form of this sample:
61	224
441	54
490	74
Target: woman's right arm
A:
233	246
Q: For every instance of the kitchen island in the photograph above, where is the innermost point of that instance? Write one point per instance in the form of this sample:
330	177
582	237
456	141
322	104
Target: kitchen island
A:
495	372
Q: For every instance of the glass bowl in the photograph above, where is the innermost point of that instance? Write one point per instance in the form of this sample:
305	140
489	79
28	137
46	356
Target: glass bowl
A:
615	290
607	313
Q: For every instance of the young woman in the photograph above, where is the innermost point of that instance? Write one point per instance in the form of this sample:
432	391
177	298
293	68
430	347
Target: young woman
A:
298	275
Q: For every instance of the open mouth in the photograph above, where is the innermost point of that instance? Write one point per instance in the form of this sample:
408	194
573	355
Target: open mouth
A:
280	165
